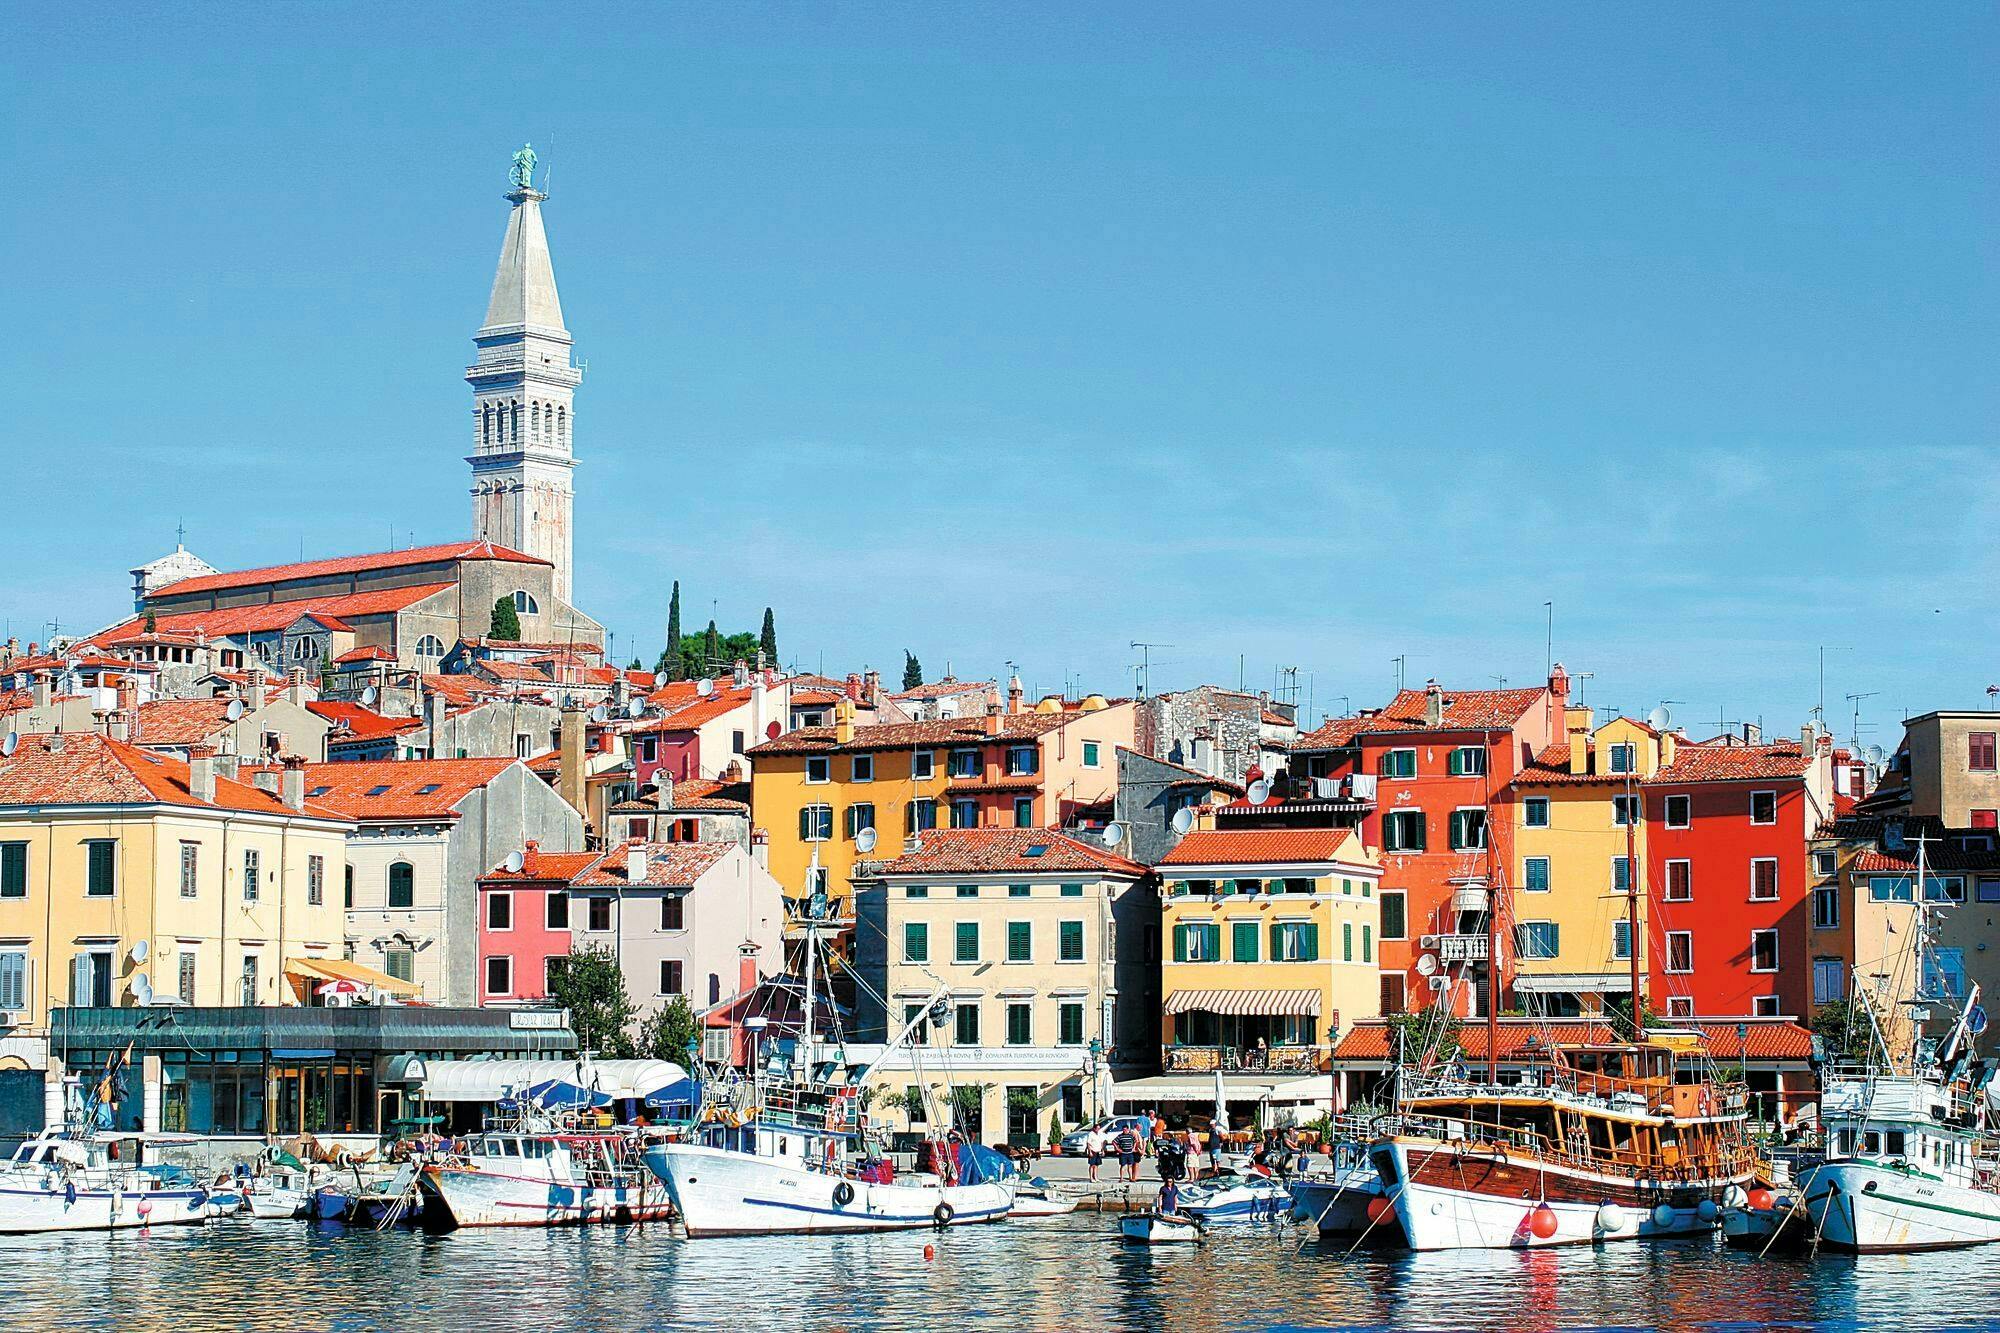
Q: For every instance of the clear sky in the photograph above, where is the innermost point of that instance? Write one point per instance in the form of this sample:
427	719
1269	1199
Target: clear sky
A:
1313	335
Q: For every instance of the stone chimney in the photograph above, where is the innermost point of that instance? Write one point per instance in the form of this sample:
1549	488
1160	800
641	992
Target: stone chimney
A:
1559	687
569	770
739	674
746	967
871	687
265	779
1433	703
201	779
992	718
664	797
1752	734
760	700
1014	695
39	692
293	789
636	863
853	687
116	724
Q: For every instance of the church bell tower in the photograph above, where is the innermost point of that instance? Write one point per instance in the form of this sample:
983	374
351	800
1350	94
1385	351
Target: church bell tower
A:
523	391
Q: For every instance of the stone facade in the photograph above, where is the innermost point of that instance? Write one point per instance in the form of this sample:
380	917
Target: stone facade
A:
1218	731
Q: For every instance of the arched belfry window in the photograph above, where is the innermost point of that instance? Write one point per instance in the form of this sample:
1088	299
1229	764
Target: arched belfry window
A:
525	604
562	425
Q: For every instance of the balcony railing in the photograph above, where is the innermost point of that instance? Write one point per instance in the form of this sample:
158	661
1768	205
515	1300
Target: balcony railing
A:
1458	948
1253	1059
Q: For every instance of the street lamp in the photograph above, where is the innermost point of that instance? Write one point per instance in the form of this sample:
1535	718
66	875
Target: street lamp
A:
1096	1062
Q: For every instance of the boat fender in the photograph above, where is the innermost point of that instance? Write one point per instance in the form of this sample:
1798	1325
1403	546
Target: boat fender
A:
1663	1215
843	1194
1706	1210
1611	1218
1542	1221
942	1214
69	1194
1734	1197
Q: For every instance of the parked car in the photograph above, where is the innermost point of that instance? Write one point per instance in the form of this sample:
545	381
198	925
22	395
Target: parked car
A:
1141	1125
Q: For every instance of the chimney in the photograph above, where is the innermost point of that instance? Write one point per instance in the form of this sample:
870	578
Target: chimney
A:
992	717
293	791
1433	703
760	701
871	687
128	694
201	779
665	795
636	863
1579	752
295	687
843	722
226	764
1559	687
1014	694
854	686
739	674
116	725
746	967
1752	734
266	779
569	770
38	690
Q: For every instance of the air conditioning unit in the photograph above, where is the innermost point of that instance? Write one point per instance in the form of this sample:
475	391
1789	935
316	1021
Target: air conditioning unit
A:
1439	983
1428	942
8	1018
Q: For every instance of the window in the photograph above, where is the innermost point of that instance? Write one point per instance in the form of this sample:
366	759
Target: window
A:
1021	760
1403	831
965	942
1069	1023
1680	881
13	980
1020	1023
861	768
916	942
965	813
1621	940
1624	810
1679	809
103	860
1020	942
670	976
1024	812
1072	891
400	963
964	764
859	816
90	981
1825	864
1763	879
315	881
1395	924
815	823
1197	942
1989	890
499	911
1680	951
673	913
599	917
249	979
1537	939
1621	874
1243	942
1535	812
917	891
1980	751
1763	807
1826	908
965	1025
347	886
430	645
1465	761
1890	889
402	884
1468	830
1090	754
1392	993
1680	1006
524	603
13	869
818	769
499	976
189	960
1367	943
920	815
1294	942
1829	980
1296	885
1763	951
1534	876
1399	763
1944	889
1069	942
1944	973
556	911
923	765
736	742
968	890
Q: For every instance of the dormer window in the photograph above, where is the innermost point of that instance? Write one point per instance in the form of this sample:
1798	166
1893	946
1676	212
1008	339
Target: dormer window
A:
1624	757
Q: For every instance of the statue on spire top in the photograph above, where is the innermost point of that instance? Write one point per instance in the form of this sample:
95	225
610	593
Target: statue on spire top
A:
523	173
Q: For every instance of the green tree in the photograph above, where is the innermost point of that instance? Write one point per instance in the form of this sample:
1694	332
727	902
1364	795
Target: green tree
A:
1619	1013
913	670
670	1032
1412	1036
767	642
670	658
711	646
1843	1030
590	985
152	623
506	624
637	665
325	674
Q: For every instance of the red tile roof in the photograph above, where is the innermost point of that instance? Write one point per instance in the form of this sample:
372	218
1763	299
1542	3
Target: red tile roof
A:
943	689
360	721
536	864
180	721
509	671
1937	861
1764	1039
348	787
1550	768
1733	763
1006	851
348	564
961	731
1228	847
814	698
1336	733
90	769
1275	719
668	864
708	794
461	690
688	716
374	653
267	617
1005	782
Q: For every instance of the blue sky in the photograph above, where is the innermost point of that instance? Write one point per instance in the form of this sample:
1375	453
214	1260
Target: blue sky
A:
1317	335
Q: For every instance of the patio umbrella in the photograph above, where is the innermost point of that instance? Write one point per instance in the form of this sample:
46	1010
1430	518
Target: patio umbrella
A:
1221	1105
342	987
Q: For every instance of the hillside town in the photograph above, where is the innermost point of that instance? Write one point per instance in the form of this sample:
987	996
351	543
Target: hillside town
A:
286	836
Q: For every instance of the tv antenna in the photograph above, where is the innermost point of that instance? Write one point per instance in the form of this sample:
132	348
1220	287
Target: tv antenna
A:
1402	663
1146	664
1820	711
1856	699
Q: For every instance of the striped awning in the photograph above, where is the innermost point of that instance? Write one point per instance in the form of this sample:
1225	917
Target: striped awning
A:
1245	1003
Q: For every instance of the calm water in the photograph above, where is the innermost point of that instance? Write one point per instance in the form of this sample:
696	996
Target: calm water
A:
1061	1273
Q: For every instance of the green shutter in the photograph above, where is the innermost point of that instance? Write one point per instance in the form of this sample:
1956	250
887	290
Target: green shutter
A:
1019	941
1347	941
13	870
916	942
1311	929
1243	942
805	824
1180	944
1072	942
1367	943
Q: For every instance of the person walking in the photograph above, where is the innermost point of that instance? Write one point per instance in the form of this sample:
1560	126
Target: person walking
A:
1095	1144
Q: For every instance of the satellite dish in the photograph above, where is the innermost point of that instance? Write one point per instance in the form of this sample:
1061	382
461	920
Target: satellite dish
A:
704	687
512	865
1183	820
1260	791
599	713
1427	963
8	746
864	841
635	707
774	731
139	951
1113	835
1658	718
234	711
142	989
1875	755
369	696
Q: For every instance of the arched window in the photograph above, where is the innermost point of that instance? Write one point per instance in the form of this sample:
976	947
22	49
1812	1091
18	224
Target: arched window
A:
402	884
430	645
562	425
525	604
535	423
514	431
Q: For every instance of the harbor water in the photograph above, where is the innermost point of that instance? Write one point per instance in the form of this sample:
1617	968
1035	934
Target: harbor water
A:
1059	1273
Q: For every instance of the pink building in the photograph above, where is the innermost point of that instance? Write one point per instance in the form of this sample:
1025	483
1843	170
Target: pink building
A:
523	923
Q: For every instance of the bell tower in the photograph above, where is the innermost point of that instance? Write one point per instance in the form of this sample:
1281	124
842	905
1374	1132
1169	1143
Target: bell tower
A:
523	392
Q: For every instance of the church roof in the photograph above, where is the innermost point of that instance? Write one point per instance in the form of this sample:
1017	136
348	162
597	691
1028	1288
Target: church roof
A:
268	617
348	564
524	286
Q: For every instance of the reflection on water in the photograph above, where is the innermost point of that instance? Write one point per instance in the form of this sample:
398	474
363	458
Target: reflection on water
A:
1056	1274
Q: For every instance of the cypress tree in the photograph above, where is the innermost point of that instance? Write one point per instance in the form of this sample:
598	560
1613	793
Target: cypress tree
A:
506	623
711	647
670	660
913	670
768	640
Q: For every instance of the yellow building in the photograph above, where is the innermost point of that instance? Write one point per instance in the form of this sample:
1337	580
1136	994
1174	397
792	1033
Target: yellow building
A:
813	790
1269	940
129	878
1578	817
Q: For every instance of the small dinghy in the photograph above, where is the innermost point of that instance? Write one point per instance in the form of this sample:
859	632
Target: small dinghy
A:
1159	1228
1034	1198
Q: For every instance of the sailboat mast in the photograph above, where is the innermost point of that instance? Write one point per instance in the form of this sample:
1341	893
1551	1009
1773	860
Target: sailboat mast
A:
1634	885
1492	929
1920	922
804	1066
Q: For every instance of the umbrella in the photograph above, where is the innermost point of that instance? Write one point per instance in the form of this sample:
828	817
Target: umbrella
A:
341	988
1221	1105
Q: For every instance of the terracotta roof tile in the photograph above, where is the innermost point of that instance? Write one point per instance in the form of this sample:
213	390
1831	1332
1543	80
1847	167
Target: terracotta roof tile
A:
409	789
268	617
361	722
89	769
1732	763
1550	768
960	731
559	867
1764	1038
977	851
1221	847
348	564
668	864
944	689
180	721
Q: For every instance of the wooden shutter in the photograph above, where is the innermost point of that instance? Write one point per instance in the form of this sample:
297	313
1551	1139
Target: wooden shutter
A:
1243	942
1180	944
1311	941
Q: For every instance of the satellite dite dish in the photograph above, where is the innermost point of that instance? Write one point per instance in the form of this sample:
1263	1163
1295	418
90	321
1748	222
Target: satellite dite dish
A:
369	696
635	707
139	950
1658	718
704	687
1113	834
235	710
512	865
1427	963
1260	791
142	989
600	713
864	841
8	746
1183	820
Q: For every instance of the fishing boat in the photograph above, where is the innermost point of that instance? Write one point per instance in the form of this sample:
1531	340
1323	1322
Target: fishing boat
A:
85	1180
1035	1198
1350	1198
532	1169
1155	1228
1254	1197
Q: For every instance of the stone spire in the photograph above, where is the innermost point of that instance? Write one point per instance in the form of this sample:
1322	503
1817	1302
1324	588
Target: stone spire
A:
523	390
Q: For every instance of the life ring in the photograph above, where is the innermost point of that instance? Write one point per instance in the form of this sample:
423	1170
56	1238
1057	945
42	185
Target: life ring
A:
843	1194
942	1214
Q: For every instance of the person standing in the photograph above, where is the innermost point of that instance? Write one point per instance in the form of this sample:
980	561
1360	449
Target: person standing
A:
1095	1144
1128	1153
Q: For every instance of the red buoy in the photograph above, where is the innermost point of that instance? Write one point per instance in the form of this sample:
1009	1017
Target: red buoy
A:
1542	1221
929	1253
1379	1209
1761	1200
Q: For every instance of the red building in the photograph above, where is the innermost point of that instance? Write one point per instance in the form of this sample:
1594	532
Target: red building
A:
524	917
1440	761
1728	875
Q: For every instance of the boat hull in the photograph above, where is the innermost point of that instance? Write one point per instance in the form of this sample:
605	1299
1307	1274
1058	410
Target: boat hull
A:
1238	1204
717	1192
1339	1206
456	1197
1449	1197
1869	1209
1153	1229
28	1211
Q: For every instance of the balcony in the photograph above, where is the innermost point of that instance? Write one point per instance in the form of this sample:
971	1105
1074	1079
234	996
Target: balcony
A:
1458	948
1251	1060
1468	900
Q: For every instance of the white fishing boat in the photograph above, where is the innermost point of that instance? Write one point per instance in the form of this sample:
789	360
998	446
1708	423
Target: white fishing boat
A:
1035	1198
1152	1228
80	1180
1253	1197
535	1172
1347	1200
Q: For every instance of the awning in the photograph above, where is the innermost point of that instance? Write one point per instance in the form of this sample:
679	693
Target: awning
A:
1583	983
339	969
1235	1088
490	1080
1246	1003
